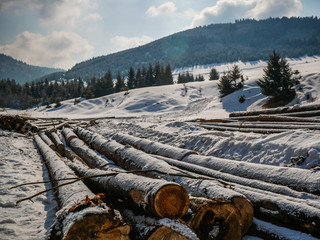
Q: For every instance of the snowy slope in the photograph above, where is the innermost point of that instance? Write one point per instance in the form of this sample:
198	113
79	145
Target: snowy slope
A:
200	101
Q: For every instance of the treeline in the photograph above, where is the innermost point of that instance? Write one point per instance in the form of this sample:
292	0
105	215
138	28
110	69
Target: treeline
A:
14	95
246	40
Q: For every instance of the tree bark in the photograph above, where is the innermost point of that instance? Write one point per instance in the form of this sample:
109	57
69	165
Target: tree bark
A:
47	140
214	219
56	140
95	222
161	198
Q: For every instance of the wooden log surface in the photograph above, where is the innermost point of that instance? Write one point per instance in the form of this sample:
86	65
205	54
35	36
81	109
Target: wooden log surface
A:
47	140
295	178
275	118
243	129
56	140
214	219
278	110
95	222
148	228
155	196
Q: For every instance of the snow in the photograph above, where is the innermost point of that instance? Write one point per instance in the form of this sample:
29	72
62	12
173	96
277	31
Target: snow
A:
160	114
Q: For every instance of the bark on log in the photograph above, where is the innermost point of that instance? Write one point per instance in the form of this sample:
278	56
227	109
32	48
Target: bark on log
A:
264	126
159	197
153	147
300	210
89	223
57	141
295	178
276	118
148	228
68	135
214	219
243	129
276	111
91	158
47	140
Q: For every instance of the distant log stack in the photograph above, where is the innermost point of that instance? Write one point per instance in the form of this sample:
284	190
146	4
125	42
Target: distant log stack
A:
16	123
80	221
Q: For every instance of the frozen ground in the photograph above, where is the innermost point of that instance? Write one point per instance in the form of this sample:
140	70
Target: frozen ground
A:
157	113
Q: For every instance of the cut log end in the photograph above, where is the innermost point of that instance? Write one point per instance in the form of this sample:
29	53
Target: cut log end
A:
171	201
98	227
216	220
246	213
166	233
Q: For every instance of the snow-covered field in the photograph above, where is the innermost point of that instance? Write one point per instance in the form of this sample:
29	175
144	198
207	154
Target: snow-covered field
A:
157	113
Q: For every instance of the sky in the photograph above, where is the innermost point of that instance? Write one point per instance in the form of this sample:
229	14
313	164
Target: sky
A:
61	33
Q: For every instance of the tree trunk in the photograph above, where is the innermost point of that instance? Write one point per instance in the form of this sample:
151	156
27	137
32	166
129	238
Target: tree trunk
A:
214	219
79	221
148	228
275	118
159	197
47	140
56	140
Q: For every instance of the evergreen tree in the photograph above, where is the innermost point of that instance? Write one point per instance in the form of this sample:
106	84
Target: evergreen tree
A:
131	78
231	81
150	76
214	75
109	88
138	79
167	79
157	74
278	81
120	83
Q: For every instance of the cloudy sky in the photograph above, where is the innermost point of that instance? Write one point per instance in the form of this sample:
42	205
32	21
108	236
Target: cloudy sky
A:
60	33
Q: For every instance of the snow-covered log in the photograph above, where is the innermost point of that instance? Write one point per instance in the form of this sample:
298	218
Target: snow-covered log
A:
68	135
47	140
278	110
155	196
295	178
264	126
278	203
57	141
91	158
242	129
213	219
79	221
303	114
148	228
276	118
153	147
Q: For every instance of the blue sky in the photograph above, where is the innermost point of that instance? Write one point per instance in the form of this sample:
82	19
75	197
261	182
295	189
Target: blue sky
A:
60	33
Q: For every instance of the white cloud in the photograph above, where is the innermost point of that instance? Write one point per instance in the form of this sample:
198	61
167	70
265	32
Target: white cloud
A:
58	49
121	42
229	10
164	9
93	16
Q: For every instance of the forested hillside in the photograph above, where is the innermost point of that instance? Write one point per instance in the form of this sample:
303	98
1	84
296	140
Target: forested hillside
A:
20	71
245	39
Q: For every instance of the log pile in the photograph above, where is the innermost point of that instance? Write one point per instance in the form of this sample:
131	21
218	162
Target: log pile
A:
149	182
274	198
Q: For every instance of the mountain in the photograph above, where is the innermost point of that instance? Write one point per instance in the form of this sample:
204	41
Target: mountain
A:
245	40
20	71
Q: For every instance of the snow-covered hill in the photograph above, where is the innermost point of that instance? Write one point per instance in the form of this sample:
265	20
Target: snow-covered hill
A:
196	100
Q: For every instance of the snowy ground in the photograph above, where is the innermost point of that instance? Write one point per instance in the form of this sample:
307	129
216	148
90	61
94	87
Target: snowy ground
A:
158	113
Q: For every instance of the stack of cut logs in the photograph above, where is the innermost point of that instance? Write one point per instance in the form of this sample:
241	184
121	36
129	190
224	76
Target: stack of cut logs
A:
24	124
135	188
268	121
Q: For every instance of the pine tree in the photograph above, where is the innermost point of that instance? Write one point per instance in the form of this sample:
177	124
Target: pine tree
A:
108	83
278	81
167	79
214	75
120	83
231	81
131	78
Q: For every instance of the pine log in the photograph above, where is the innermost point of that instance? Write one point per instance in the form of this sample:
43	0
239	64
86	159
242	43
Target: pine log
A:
56	140
303	114
265	126
68	135
213	219
148	228
153	147
300	210
91	158
161	198
47	140
277	110
98	222
295	178
243	129
275	118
